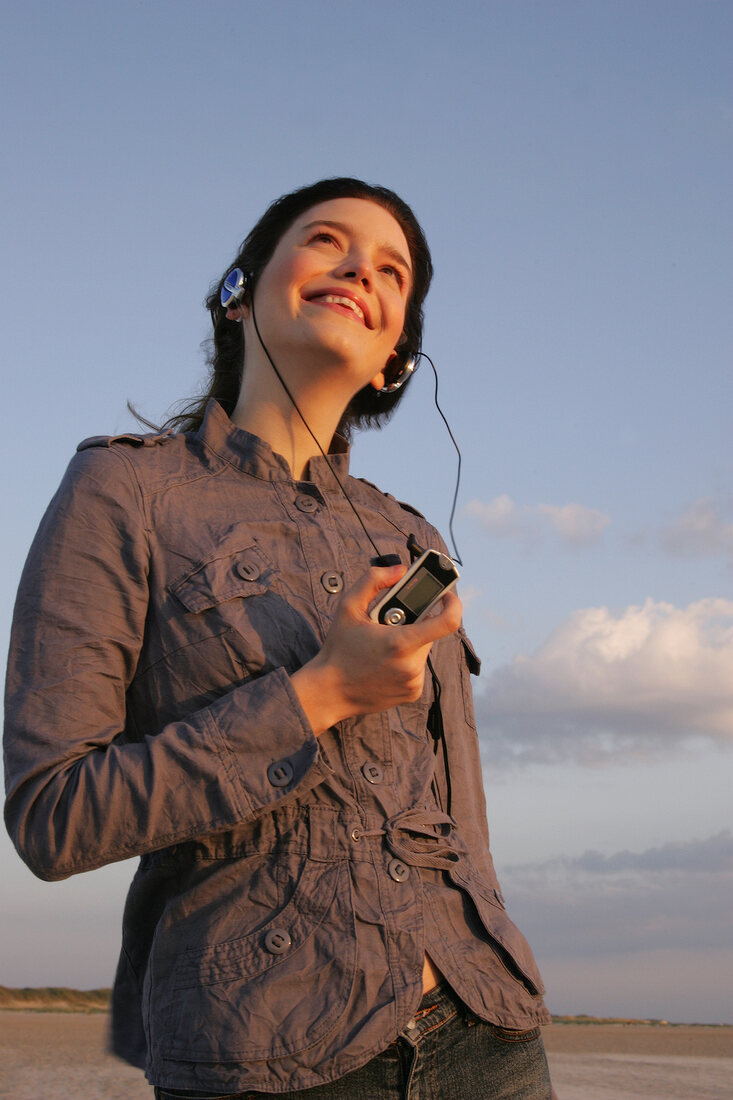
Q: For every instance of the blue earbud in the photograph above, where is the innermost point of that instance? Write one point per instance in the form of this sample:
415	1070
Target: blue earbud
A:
234	288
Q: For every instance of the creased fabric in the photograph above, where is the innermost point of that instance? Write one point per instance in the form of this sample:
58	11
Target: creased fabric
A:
288	886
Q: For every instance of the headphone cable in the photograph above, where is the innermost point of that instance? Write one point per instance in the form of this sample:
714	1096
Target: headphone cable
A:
381	557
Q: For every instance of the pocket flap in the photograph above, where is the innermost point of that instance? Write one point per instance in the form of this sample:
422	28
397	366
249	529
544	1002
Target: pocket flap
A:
239	573
472	659
509	944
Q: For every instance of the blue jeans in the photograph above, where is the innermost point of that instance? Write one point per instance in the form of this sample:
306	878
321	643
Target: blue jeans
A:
444	1053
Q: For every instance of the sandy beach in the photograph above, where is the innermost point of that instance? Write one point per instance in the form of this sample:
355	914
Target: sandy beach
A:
649	1062
59	1054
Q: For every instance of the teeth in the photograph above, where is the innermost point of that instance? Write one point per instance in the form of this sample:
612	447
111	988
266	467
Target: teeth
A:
338	300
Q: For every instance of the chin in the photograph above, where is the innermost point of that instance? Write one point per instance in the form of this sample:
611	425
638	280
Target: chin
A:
340	351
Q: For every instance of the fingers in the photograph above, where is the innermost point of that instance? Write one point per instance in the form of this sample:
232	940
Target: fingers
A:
428	630
372	583
437	625
364	667
445	622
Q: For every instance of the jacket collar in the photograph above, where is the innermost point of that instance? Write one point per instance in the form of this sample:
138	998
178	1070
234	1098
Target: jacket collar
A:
256	457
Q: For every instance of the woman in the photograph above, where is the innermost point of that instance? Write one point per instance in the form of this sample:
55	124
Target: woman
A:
195	679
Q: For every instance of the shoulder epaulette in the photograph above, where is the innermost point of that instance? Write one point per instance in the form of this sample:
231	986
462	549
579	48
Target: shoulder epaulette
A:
127	438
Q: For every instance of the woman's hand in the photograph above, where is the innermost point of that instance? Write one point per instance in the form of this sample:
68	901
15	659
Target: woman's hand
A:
365	667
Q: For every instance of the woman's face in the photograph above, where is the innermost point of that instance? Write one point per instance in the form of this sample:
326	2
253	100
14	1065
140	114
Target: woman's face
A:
336	289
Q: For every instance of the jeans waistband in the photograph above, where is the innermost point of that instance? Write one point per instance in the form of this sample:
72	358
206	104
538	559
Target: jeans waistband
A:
436	1008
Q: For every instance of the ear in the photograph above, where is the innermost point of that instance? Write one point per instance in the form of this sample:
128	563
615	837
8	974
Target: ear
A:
379	381
237	313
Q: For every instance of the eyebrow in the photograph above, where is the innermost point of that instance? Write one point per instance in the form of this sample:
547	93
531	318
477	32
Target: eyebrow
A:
388	249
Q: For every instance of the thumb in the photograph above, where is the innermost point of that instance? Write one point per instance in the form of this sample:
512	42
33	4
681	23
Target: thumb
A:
372	583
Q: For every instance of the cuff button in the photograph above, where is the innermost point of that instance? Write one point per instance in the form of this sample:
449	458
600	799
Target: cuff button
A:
280	773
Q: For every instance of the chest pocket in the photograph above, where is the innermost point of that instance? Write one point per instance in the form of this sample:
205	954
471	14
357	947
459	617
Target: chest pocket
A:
240	573
237	594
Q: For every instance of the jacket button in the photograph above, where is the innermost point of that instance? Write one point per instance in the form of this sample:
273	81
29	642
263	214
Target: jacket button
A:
304	503
332	582
277	940
247	570
398	870
372	772
280	773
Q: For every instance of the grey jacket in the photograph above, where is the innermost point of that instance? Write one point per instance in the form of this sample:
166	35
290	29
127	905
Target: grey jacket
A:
289	886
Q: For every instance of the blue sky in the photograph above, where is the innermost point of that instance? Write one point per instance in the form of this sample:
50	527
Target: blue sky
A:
571	165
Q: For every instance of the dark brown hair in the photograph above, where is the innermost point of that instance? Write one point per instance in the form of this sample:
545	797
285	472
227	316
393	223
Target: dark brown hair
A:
226	347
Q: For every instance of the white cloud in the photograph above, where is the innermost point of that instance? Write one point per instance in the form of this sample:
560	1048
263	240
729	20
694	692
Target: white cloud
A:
499	516
699	531
471	594
605	684
574	524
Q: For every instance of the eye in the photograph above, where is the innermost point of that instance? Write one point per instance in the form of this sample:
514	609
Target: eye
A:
394	273
323	235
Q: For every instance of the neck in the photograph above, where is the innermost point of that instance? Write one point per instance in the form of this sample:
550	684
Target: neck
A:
270	415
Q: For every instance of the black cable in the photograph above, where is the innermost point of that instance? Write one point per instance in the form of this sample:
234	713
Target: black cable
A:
456	555
307	425
435	714
382	559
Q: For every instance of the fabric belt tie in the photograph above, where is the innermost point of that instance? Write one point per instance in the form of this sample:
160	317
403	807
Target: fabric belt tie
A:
422	838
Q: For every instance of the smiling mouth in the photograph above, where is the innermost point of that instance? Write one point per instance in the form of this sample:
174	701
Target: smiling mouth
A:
340	300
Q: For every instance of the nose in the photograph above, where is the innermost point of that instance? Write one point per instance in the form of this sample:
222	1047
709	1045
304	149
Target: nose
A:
357	266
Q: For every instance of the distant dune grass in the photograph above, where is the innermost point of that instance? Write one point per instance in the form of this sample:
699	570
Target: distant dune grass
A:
54	999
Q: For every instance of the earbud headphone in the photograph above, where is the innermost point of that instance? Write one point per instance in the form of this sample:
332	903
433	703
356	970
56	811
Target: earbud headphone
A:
399	379
236	286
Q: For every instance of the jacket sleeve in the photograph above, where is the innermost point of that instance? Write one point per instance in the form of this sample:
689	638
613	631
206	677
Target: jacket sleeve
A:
79	792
